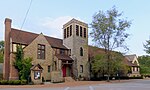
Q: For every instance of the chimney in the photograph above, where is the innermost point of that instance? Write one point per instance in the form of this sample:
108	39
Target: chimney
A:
6	69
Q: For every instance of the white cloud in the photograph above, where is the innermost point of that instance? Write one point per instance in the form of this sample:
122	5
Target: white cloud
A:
55	25
1	30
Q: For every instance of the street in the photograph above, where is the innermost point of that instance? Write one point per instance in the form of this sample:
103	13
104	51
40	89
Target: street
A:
132	85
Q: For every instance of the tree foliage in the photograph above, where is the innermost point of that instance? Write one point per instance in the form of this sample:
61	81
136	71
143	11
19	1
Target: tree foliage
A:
1	51
22	64
99	64
144	62
147	47
108	32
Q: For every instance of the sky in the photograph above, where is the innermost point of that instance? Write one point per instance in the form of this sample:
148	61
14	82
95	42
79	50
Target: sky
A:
48	17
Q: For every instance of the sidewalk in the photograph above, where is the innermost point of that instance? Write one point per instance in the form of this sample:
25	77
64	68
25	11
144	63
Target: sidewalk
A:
65	84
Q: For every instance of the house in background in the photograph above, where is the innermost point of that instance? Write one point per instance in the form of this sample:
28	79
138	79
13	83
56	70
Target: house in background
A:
53	58
132	62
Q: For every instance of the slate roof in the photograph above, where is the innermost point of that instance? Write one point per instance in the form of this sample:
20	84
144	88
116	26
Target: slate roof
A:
129	63
23	37
130	57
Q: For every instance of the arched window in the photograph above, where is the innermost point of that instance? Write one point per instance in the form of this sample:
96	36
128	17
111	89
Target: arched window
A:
81	51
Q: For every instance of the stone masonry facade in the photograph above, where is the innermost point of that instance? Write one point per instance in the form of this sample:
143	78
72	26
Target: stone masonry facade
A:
67	57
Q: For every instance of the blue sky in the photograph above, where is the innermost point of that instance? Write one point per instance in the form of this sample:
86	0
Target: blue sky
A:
48	16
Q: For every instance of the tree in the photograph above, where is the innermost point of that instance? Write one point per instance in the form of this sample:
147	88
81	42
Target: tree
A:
22	64
108	32
144	62
147	47
1	51
99	64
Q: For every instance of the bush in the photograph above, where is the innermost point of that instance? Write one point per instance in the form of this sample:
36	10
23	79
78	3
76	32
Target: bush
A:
3	82
10	82
16	82
13	82
23	82
1	76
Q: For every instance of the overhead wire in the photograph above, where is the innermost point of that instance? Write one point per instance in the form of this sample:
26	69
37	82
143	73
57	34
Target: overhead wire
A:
26	15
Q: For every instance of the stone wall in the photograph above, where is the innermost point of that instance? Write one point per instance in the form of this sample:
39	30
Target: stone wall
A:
74	43
31	51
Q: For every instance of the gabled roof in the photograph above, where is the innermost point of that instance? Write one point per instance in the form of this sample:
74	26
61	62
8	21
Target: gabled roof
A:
37	65
23	37
130	57
129	63
64	57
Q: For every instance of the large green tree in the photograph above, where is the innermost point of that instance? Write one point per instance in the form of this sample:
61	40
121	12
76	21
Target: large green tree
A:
144	62
108	32
1	51
99	64
22	64
147	47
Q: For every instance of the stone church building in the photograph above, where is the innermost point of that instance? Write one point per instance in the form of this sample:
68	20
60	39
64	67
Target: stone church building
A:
52	58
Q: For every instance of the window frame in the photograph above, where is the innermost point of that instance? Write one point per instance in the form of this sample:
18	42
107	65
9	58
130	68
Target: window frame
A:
77	30
84	32
41	51
81	31
70	30
81	68
49	69
81	51
62	51
67	31
64	33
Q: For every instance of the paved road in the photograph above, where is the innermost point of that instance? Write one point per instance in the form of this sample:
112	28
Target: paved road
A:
132	85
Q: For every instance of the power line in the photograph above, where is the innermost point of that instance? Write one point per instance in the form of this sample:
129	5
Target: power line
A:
26	14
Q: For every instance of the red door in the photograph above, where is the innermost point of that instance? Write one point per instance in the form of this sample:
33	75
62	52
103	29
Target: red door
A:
64	71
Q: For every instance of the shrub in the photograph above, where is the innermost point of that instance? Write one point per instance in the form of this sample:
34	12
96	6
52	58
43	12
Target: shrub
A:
3	82
1	76
13	82
16	82
23	82
10	82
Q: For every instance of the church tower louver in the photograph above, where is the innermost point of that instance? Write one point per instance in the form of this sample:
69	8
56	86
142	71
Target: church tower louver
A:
75	37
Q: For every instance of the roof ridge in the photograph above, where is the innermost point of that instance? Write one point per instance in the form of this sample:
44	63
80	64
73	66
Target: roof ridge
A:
24	31
28	37
35	33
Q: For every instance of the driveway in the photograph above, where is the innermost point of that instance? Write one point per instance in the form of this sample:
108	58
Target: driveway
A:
123	85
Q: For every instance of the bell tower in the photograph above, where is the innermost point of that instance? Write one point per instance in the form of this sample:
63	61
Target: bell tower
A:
75	37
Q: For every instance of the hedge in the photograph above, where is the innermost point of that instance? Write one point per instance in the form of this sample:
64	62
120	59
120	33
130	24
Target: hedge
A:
13	82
